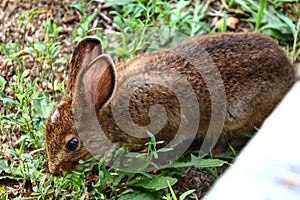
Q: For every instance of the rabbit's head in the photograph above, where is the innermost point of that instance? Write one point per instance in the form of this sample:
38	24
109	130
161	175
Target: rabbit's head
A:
90	85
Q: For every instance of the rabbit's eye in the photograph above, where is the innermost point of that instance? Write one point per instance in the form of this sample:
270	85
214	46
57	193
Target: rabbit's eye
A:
72	144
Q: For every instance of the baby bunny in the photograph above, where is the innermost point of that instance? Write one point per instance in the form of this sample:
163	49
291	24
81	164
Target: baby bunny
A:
222	83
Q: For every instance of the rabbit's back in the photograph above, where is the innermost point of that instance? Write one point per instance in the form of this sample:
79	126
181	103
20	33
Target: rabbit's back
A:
254	72
256	75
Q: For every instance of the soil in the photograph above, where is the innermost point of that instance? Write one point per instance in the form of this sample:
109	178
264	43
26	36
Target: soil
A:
11	13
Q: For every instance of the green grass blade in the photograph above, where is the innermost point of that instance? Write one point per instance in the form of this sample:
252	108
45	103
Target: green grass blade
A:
172	191
260	15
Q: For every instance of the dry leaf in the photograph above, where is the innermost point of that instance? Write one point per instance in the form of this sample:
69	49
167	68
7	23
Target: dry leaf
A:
231	22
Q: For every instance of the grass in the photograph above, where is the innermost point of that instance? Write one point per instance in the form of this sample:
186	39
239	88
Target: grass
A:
26	100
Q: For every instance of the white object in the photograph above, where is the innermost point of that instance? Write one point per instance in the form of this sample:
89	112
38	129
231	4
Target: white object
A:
269	166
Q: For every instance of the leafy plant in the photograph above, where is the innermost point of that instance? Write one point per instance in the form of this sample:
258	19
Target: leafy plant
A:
85	21
173	21
151	146
24	20
295	29
268	21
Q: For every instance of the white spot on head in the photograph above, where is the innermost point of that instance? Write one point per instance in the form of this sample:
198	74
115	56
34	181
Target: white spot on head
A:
54	116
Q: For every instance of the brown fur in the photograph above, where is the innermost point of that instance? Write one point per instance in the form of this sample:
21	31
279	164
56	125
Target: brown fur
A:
256	74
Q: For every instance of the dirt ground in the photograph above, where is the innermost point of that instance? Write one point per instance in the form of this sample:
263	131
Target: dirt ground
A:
10	29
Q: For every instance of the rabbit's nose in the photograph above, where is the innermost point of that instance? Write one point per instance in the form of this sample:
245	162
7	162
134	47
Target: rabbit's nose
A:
54	169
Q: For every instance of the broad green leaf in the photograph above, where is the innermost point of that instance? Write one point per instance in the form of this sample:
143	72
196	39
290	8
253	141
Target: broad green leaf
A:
27	156
35	188
289	22
13	153
118	21
157	182
138	194
185	194
108	176
40	46
77	6
118	3
8	100
61	61
25	74
197	162
4	167
120	51
41	105
55	51
137	165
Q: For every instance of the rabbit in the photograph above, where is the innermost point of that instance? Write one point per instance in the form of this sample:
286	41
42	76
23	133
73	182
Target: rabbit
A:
254	73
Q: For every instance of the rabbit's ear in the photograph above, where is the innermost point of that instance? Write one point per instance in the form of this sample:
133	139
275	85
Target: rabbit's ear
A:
96	83
85	52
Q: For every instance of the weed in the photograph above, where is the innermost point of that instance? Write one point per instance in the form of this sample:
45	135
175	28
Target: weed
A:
24	20
260	14
268	20
85	23
151	146
295	29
